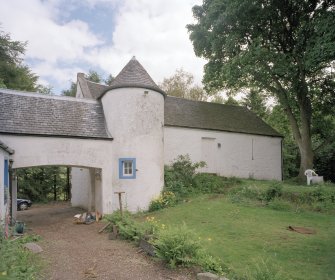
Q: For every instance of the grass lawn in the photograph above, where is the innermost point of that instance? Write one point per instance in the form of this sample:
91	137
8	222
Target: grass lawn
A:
243	235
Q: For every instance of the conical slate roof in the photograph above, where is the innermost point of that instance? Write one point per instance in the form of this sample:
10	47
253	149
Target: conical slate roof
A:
134	75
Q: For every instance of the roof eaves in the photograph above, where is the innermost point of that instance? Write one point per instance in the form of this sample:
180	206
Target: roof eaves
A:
225	130
4	147
133	86
56	136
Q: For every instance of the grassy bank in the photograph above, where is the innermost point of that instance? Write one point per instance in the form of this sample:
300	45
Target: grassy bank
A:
16	262
244	234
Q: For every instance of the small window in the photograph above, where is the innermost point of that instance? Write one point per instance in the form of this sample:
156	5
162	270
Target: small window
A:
127	168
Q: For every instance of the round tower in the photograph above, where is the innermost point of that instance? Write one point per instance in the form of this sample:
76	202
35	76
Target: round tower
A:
134	110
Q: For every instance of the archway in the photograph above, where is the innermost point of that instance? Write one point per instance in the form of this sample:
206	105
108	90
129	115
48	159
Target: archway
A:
86	154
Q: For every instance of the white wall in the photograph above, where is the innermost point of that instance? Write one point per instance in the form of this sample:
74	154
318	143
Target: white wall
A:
135	119
3	155
36	151
81	187
240	155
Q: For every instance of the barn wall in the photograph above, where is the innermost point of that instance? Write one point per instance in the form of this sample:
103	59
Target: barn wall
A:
227	154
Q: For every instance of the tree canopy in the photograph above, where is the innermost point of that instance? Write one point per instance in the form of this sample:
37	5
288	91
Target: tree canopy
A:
13	73
92	76
181	84
284	48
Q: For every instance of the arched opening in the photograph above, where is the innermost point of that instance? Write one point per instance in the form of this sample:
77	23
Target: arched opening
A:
76	186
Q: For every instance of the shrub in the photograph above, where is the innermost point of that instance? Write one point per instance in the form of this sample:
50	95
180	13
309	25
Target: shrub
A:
208	183
166	199
275	190
245	193
264	270
179	176
16	262
209	263
280	204
128	228
177	246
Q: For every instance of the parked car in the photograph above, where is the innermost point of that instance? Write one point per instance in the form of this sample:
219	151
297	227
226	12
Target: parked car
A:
23	204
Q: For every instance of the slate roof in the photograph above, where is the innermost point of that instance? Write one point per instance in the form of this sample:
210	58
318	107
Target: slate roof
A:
6	148
34	114
205	115
134	75
90	89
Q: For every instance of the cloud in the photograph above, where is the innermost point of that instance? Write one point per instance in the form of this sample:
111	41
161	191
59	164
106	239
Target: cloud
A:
48	41
60	45
154	31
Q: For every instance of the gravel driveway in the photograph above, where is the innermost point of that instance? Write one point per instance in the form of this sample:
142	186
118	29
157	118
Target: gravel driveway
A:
78	252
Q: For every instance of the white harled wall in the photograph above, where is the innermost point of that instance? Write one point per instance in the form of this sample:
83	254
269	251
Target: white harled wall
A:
96	154
3	155
135	118
229	154
80	187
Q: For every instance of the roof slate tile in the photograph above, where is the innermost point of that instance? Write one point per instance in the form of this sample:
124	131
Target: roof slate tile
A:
205	115
23	113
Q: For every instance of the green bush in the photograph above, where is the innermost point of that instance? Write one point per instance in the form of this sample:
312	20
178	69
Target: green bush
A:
275	190
166	199
128	228
178	246
280	204
264	270
209	263
208	183
245	193
179	176
16	262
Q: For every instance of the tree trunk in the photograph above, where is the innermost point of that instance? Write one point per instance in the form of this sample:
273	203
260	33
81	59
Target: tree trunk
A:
306	156
302	134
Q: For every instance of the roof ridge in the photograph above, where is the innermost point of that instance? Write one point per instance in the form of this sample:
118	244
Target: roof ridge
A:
208	102
39	95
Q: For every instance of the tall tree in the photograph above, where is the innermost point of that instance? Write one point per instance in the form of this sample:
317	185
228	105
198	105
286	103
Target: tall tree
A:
283	47
70	91
92	76
255	101
181	84
13	73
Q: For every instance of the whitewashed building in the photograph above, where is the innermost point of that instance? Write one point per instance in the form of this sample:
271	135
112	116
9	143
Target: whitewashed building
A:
118	138
5	158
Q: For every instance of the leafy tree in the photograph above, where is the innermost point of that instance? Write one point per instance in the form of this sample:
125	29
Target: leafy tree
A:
181	84
231	101
92	76
71	91
47	90
43	183
13	73
108	81
284	48
255	101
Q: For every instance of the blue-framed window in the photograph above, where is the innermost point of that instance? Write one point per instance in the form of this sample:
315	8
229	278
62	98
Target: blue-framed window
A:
6	181
127	168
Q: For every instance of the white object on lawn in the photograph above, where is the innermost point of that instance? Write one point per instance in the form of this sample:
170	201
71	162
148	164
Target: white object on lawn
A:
312	177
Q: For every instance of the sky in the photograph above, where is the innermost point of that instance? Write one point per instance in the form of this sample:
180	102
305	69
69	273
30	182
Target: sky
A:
70	36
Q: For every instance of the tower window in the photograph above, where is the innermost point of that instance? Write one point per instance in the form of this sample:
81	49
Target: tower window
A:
127	168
